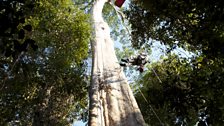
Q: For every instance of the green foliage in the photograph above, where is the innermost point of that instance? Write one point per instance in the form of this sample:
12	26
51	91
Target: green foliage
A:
63	25
194	25
187	89
44	87
192	87
13	39
85	5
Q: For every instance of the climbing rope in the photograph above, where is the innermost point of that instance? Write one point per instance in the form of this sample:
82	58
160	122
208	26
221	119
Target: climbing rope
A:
156	75
162	124
118	12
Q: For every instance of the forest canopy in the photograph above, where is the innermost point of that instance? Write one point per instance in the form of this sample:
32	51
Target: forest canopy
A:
42	70
189	90
45	54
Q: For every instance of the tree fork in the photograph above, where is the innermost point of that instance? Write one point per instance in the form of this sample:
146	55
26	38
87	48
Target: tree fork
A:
112	102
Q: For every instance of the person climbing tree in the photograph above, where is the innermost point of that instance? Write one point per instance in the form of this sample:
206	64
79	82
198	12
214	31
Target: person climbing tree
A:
139	61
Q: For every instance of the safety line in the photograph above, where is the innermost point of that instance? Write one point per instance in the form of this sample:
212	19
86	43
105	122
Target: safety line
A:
156	75
151	107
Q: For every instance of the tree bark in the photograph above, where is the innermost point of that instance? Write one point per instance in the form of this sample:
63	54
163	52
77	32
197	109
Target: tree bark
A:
112	102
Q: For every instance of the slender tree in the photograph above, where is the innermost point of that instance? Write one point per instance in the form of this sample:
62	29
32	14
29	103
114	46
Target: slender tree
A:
111	100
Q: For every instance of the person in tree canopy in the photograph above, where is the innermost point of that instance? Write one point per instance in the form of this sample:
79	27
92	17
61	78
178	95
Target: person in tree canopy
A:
140	60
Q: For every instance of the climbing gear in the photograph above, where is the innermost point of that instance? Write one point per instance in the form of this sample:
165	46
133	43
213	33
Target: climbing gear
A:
139	61
141	68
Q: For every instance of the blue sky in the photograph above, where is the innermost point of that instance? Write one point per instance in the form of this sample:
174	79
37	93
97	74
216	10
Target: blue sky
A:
79	123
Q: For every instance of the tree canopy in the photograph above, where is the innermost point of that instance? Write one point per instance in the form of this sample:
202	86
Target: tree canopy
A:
184	92
192	25
188	90
44	83
44	46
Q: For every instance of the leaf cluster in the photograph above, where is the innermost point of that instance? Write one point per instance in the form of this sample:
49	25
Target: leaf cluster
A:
47	86
188	90
194	25
13	37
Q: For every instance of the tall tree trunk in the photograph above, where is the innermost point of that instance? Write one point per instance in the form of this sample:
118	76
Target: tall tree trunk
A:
112	102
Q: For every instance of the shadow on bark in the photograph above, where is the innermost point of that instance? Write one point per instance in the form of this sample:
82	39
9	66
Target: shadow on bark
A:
130	120
119	107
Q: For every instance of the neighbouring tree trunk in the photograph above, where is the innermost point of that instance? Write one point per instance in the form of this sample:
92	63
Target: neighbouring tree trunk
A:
112	102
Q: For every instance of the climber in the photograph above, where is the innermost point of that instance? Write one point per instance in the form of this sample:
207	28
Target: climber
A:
139	61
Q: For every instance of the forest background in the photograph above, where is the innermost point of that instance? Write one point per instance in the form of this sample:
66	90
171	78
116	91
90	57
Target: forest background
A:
45	49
